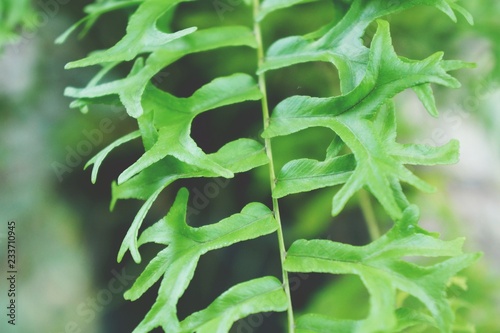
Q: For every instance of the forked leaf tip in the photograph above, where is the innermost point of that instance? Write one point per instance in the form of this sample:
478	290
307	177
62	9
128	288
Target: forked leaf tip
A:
453	65
411	214
112	204
93	176
464	12
136	256
89	163
71	65
126	296
183	194
123	177
60	40
120	255
336	209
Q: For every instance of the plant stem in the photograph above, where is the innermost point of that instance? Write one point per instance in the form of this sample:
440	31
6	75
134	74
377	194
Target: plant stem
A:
272	175
368	213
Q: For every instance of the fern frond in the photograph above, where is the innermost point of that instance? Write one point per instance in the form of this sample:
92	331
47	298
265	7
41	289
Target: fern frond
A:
238	156
383	270
259	295
177	263
173	118
364	154
131	89
366	124
341	43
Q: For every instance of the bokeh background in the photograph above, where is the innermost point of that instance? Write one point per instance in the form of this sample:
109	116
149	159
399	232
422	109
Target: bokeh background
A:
68	239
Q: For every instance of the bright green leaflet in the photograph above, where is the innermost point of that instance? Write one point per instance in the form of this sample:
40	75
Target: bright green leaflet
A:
175	121
178	261
378	158
265	294
382	269
239	156
341	43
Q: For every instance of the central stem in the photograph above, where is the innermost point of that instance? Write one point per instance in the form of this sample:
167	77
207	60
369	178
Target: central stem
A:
269	152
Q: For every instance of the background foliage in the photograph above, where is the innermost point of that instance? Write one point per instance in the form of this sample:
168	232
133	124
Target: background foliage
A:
38	129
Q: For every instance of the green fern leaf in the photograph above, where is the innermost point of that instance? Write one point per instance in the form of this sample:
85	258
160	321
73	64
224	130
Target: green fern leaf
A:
381	268
238	156
379	160
97	160
175	118
131	89
142	35
269	6
94	12
259	295
177	262
341	43
315	323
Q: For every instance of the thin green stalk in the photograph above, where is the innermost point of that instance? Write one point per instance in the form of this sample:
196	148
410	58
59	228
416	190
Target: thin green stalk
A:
369	214
269	152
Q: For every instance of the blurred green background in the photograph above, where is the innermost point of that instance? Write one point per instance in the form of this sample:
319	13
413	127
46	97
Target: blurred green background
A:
68	239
